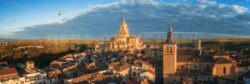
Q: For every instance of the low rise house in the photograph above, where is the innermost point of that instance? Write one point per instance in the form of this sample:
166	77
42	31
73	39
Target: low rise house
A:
35	76
119	69
9	76
54	74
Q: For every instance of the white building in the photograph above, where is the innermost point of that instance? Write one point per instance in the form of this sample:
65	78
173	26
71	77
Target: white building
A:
9	76
35	76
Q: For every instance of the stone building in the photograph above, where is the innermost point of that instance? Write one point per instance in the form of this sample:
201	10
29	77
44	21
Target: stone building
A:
30	64
9	76
185	66
169	56
223	67
124	41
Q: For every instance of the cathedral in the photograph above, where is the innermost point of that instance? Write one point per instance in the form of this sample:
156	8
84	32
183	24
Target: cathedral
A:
124	41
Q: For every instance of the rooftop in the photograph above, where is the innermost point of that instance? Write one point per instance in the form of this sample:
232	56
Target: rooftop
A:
34	70
54	73
185	58
192	73
8	71
117	66
222	60
4	63
93	77
221	53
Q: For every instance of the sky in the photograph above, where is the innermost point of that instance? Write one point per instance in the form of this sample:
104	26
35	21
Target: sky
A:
93	18
17	14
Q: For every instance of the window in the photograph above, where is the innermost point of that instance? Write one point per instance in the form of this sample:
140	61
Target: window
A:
167	49
182	67
171	50
224	70
195	67
134	74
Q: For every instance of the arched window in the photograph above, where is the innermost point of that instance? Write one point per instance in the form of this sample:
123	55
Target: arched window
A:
224	70
171	50
167	49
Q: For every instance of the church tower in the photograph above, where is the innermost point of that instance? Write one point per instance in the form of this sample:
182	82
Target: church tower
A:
124	32
169	57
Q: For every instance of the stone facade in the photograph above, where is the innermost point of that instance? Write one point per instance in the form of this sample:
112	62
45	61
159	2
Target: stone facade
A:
30	64
169	56
124	41
223	67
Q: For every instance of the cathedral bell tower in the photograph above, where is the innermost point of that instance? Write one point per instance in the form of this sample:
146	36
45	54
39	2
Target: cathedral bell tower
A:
169	57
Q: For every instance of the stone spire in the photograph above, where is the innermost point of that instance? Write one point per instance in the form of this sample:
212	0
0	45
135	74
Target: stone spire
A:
170	39
124	29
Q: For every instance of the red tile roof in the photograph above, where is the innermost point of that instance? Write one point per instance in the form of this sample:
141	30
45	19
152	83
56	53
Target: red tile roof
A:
4	63
133	81
222	61
8	71
151	72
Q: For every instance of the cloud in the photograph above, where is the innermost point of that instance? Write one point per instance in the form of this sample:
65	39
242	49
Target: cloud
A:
205	3
239	9
234	8
146	16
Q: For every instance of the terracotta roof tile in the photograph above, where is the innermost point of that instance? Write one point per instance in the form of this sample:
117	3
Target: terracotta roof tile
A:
8	71
3	63
222	61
